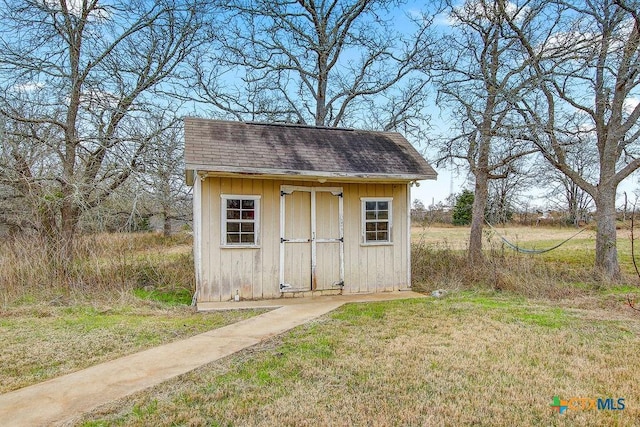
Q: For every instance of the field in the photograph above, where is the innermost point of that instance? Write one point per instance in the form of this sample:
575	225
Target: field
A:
494	350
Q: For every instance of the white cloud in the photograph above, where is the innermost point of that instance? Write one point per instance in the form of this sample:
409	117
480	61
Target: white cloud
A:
630	104
75	7
27	87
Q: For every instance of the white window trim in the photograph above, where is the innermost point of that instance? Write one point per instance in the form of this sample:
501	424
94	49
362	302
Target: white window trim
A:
223	220
363	222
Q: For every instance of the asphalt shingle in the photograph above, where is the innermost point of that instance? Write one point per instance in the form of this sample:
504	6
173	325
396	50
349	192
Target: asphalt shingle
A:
226	146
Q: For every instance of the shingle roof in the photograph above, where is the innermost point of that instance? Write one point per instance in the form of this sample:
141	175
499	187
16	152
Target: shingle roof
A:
277	149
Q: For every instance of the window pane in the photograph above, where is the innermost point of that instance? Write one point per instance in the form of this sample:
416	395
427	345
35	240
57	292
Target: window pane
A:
241	221
377	221
247	238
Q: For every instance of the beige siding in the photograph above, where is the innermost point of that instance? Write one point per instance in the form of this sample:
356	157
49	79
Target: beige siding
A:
375	268
270	240
254	272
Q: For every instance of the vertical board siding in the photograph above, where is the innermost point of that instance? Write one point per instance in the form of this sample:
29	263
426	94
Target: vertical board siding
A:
269	235
227	270
254	272
213	219
375	268
401	253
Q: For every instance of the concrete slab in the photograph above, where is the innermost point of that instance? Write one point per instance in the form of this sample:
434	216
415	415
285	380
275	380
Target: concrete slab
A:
280	302
61	399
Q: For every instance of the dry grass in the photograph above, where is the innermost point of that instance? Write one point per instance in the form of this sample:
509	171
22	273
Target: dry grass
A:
466	359
439	261
42	342
438	267
55	319
104	267
456	238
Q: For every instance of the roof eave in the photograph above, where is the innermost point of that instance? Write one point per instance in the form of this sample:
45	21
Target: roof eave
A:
288	174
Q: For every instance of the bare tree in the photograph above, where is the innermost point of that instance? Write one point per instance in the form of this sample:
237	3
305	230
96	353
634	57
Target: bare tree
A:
27	175
76	80
163	177
329	63
481	76
565	194
586	58
505	193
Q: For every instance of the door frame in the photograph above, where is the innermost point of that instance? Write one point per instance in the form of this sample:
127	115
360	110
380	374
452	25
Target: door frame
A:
336	191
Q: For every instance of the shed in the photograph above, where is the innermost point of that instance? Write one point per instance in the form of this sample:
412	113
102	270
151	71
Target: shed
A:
284	210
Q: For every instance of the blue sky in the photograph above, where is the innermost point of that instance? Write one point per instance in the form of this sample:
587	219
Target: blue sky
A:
454	181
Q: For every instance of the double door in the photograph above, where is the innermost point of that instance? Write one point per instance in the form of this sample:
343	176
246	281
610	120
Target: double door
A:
311	238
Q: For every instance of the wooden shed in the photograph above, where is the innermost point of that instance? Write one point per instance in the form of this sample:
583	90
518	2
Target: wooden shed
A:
290	210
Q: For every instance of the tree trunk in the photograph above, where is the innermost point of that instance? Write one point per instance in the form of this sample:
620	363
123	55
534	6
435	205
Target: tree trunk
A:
166	222
321	95
481	194
606	248
69	216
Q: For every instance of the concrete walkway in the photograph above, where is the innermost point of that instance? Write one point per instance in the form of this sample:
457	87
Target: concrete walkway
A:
62	399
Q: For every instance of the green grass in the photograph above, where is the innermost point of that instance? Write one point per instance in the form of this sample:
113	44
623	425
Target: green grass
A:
517	309
171	297
465	359
42	342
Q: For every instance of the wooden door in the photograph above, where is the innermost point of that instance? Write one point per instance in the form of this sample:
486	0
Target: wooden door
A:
328	241
311	242
296	242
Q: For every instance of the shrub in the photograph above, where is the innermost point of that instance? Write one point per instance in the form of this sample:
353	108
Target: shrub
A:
463	208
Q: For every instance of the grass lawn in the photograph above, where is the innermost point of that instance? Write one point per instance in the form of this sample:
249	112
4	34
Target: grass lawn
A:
470	358
42	342
507	337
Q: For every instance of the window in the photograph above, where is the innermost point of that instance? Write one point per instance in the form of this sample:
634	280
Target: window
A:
376	220
240	220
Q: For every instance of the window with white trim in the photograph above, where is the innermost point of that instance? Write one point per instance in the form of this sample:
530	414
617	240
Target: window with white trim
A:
376	220
240	220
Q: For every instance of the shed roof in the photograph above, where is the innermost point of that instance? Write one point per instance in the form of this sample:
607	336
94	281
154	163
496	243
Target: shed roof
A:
286	150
